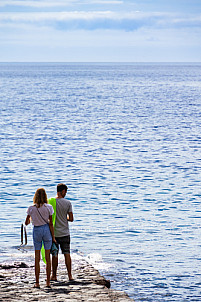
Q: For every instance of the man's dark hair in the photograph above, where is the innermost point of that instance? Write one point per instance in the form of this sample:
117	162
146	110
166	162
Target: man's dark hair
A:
61	187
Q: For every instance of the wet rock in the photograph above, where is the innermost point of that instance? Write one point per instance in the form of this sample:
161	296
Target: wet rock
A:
14	265
21	265
104	282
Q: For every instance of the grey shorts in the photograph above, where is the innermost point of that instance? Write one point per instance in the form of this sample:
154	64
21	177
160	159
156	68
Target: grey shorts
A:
64	243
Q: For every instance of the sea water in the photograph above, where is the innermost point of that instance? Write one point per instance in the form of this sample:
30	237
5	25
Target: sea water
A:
126	140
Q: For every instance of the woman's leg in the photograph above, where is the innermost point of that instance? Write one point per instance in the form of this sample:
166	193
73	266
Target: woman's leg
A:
37	267
48	266
47	240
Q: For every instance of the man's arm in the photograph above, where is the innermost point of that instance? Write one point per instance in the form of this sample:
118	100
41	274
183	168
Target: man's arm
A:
70	216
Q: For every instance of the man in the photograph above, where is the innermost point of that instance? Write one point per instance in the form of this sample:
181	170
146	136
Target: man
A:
64	214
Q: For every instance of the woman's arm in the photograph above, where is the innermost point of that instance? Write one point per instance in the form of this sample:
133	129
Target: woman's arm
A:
52	229
28	220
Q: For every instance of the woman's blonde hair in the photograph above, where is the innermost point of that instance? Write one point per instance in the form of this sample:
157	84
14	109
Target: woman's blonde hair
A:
40	197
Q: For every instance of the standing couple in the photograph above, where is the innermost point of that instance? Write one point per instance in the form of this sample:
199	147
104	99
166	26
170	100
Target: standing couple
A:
41	214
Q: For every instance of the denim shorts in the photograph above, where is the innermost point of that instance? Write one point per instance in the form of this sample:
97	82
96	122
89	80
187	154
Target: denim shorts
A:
42	234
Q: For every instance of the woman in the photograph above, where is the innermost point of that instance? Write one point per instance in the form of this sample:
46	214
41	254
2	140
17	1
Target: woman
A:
43	232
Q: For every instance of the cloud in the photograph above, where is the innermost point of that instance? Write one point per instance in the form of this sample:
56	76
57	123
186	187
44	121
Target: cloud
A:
53	3
93	20
107	2
39	4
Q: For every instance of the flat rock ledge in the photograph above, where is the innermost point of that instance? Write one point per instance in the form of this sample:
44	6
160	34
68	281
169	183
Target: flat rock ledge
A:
17	281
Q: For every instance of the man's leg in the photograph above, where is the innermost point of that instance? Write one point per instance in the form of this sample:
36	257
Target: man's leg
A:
68	265
37	267
54	268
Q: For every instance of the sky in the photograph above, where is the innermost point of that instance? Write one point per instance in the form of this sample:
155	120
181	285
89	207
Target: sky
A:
100	31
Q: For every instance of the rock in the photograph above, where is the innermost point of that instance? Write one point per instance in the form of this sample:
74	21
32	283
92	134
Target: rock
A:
103	282
21	265
15	265
17	280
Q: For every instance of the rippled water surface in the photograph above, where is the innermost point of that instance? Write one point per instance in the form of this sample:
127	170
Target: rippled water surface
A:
126	139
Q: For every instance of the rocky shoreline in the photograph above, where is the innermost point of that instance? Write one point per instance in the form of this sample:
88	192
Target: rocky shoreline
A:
17	281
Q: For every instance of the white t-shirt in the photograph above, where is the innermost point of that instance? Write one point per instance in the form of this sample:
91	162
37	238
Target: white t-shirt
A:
46	210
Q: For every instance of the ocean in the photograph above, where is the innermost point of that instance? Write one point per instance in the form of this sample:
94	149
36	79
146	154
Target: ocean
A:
126	139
